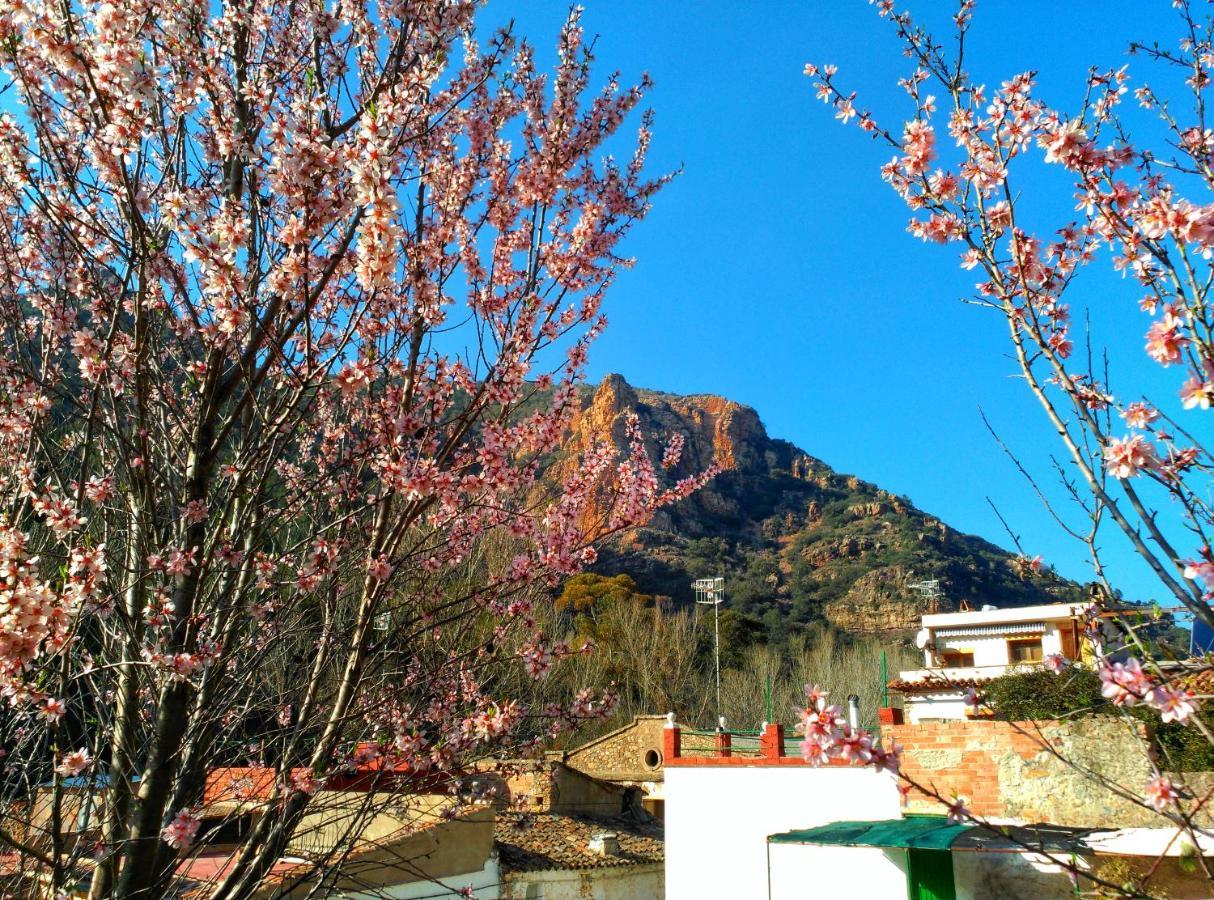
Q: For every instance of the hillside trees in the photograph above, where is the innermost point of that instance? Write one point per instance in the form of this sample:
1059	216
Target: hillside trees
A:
293	299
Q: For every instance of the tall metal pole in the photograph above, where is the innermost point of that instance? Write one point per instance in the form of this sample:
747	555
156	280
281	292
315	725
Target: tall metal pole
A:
712	590
716	641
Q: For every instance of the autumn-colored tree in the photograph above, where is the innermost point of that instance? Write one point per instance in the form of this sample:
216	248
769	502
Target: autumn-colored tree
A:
293	299
588	590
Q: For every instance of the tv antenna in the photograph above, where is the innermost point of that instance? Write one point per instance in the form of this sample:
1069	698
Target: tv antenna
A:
711	591
930	590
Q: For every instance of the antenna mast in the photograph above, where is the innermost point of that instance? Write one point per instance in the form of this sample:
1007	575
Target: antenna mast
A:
711	591
930	591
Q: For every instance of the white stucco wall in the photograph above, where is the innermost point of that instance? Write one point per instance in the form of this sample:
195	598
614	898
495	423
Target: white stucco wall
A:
799	871
921	707
991	650
623	883
718	819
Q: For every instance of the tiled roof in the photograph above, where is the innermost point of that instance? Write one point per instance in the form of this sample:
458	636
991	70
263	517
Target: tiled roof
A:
933	685
1200	681
530	842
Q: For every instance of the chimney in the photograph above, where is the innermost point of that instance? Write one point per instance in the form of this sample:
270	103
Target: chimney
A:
605	843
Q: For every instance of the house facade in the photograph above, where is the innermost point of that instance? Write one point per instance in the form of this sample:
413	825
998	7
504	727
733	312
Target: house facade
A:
961	650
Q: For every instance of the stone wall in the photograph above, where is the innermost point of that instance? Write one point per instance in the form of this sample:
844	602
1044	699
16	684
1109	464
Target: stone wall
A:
629	754
1012	770
551	787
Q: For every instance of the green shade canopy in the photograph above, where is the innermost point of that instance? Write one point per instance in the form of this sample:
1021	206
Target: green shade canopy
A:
937	833
912	832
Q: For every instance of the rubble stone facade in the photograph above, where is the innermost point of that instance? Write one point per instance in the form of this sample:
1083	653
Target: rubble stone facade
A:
632	754
1010	770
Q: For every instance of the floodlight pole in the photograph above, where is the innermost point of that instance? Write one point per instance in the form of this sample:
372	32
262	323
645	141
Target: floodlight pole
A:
714	589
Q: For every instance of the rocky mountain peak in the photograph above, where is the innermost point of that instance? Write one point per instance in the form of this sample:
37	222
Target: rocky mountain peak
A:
797	541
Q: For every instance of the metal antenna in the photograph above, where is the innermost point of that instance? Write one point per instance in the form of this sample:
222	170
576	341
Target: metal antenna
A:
711	591
930	591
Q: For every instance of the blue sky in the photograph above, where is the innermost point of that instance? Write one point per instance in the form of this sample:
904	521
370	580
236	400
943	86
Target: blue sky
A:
777	270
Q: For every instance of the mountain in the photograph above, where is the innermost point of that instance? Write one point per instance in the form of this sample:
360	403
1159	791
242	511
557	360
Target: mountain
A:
796	541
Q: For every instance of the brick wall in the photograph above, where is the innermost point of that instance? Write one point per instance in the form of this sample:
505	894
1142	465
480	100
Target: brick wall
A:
1006	770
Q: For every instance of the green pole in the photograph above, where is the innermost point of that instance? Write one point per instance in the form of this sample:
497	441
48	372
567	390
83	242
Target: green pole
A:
884	682
767	697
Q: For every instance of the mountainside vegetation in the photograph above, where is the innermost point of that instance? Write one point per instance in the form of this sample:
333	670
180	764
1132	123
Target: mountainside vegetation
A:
799	543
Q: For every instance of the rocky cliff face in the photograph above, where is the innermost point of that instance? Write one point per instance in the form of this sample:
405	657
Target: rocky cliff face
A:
797	541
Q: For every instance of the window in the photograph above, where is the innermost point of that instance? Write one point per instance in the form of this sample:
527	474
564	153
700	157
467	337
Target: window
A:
1025	651
956	659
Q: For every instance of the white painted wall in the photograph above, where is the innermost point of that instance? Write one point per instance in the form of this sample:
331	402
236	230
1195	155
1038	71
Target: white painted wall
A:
718	819
921	707
484	884
991	650
622	883
799	871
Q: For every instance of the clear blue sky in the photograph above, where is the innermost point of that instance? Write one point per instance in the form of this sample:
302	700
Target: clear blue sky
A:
777	270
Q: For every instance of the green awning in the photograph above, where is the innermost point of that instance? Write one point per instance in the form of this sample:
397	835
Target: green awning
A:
912	832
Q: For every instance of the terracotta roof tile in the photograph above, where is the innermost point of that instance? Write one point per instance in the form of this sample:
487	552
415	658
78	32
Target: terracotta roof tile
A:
933	685
529	842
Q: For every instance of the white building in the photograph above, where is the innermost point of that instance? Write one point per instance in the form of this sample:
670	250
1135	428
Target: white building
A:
721	808
963	649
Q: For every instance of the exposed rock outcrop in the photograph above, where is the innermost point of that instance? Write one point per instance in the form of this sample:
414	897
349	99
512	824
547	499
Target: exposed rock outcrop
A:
796	541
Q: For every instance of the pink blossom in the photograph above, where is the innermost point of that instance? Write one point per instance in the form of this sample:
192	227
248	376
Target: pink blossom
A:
1165	342
1139	415
305	781
1173	704
1197	393
1125	684
181	831
52	709
816	696
1200	568
1126	457
74	763
957	811
1066	145
1056	663
99	489
1161	793
379	568
195	511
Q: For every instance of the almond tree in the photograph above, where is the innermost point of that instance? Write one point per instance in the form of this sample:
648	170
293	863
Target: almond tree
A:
294	300
1144	205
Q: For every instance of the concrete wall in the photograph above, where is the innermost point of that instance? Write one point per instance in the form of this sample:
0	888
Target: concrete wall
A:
388	855
799	871
485	885
718	818
1009	876
1003	771
618	883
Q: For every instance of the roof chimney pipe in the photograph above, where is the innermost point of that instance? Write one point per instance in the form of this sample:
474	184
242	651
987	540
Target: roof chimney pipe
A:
605	843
